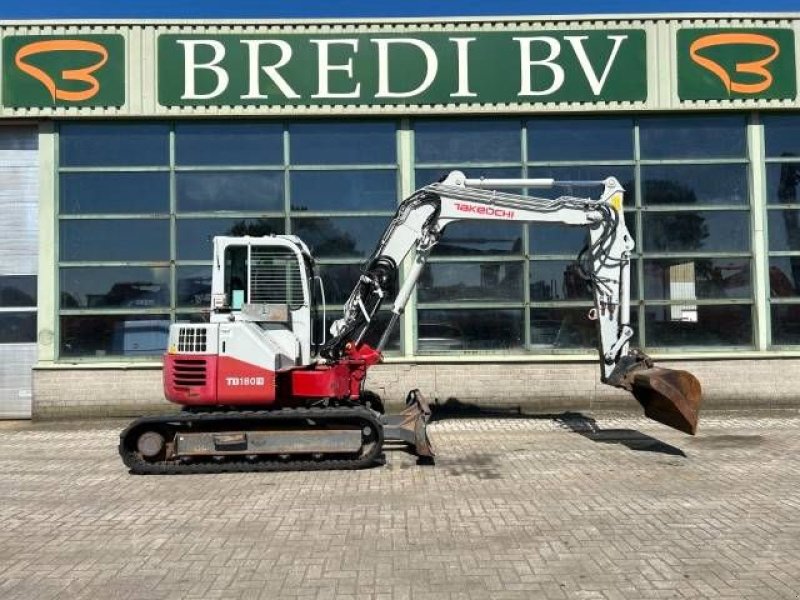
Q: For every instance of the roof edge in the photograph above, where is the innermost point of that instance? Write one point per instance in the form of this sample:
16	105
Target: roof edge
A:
244	21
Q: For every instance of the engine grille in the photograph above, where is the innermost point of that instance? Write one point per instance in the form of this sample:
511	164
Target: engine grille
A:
192	339
189	373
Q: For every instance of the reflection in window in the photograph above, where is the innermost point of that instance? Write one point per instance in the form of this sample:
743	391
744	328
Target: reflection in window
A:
558	280
229	190
562	328
785	324
194	236
694	184
103	335
459	330
193	286
784	276
782	135
344	190
340	236
471	281
463	141
687	231
477	238
103	287
580	138
681	278
379	323
137	192
17	327
784	229
340	280
113	144
427	176
556	239
714	326
17	290
783	183
229	143
342	143
695	136
584	173
114	239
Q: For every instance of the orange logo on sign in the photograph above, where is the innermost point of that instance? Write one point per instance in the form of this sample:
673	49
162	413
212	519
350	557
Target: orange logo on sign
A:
83	74
754	67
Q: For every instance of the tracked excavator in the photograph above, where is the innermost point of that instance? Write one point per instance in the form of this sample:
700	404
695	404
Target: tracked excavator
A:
262	389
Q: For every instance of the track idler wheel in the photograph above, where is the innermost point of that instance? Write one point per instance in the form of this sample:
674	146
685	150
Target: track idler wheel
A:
669	396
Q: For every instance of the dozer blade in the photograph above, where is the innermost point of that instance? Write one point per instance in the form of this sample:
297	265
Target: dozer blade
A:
410	427
669	396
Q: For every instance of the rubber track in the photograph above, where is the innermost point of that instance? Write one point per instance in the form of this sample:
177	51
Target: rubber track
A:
139	466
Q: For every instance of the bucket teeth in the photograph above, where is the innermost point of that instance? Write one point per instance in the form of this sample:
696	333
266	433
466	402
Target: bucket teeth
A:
669	396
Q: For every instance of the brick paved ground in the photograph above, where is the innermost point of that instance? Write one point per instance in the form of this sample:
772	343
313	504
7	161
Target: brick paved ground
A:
515	508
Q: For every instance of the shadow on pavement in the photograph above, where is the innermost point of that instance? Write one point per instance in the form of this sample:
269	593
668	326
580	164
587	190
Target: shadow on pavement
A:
576	422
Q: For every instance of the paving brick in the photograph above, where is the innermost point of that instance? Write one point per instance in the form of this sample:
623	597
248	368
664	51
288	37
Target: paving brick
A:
524	507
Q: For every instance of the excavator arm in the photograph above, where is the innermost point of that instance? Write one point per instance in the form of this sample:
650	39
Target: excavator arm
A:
669	396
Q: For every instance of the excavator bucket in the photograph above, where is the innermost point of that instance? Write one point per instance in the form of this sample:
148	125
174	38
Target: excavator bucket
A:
669	396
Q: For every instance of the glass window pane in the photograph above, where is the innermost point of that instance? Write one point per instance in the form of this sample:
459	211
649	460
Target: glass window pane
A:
424	177
691	278
580	139
558	280
785	324
462	141
687	231
478	238
562	328
231	143
784	276
115	239
94	287
340	280
460	330
696	136
194	236
782	135
476	281
18	290
114	192
340	236
783	183
115	335
698	325
193	286
784	229
113	144
17	327
344	190
229	190
192	317
584	173
343	143
380	322
557	239
694	184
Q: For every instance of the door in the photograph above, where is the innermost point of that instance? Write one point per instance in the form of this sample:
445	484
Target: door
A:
19	201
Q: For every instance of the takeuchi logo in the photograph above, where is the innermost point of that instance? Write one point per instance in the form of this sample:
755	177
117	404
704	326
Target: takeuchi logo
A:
752	67
83	75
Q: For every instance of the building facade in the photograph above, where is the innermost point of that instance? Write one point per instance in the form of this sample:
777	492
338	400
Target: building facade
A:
124	147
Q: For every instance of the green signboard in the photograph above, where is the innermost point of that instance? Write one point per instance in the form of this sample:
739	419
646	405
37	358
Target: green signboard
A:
416	68
79	70
721	64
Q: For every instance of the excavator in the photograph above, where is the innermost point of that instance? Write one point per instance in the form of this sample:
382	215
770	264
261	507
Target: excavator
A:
263	388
